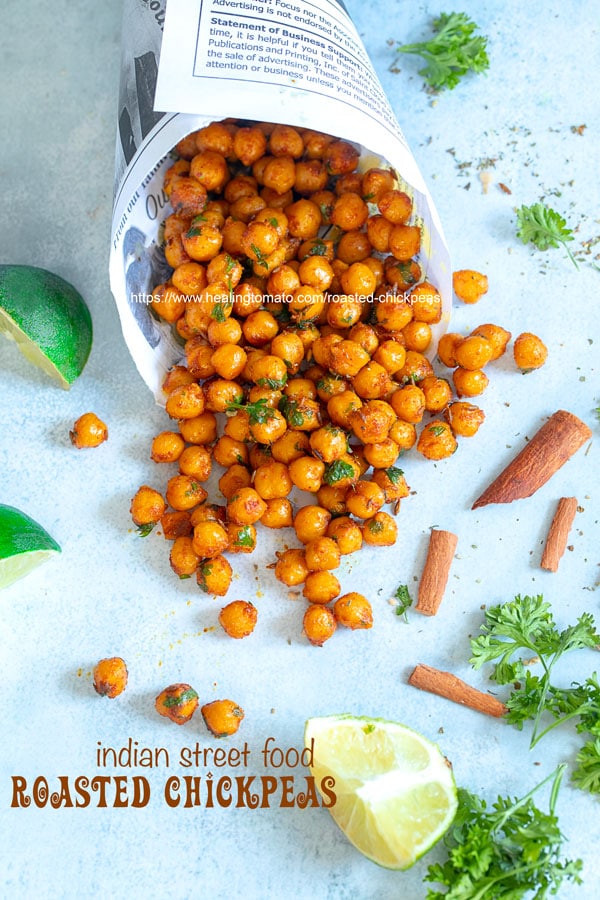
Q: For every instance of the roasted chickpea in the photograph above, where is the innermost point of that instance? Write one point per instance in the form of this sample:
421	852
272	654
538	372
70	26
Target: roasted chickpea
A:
188	196
184	492
290	446
147	506
211	170
376	182
404	434
306	473
469	382
378	232
464	418
393	484
178	702
353	610
332	497
208	512
268	430
401	275
260	327
372	381
228	361
310	523
469	286
183	558
409	403
436	440
437	391
190	279
380	530
245	507
227	452
185	402
242	538
278	514
244	209
198	355
350	212
249	144
236	477
396	207
365	499
240	186
341	406
415	368
272	481
392	312
319	624
341	157
210	539
347	358
88	431
311	176
202	242
404	241
110	677
354	246
238	618
322	553
291	568
329	443
315	143
221	393
391	355
382	455
279	173
237	425
446	346
199	430
321	587
175	377
216	136
529	352
372	422
417	336
176	524
474	352
214	576
222	717
346	533
426	303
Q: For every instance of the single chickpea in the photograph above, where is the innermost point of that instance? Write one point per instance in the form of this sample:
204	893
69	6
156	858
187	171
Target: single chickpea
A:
408	403
380	530
392	482
382	455
446	346
175	377
178	702
376	182
415	368
183	558
238	618
341	406
311	176
88	431
329	443
347	358
395	206
184	492
198	357
110	677
214	576
329	385
235	478
291	568
278	514
365	499
372	381
228	361
227	452
201	429
426	303
221	393
350	212
372	422
222	717
474	352
404	241
268	431
167	447
216	136
306	473
185	402
189	278
249	145
167	302
401	275
188	196
469	382
245	507
211	170
436	441
529	352
260	327
417	336
321	587
354	246
497	336
310	523
392	313
404	434
469	286
353	610
378	232
237	426
272	481
319	624
244	209
279	173
346	533
240	186
290	446
176	524
322	553
147	506
202	242
390	354
208	512
437	392
464	418
210	539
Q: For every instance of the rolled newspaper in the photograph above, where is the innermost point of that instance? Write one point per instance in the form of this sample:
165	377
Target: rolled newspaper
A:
184	65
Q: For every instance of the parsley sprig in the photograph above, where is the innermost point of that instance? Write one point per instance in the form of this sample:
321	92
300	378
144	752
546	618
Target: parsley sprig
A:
452	53
544	227
258	412
526	624
505	851
404	599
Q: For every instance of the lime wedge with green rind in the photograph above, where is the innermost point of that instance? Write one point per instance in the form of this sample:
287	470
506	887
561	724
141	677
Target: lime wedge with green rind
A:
395	791
24	545
48	318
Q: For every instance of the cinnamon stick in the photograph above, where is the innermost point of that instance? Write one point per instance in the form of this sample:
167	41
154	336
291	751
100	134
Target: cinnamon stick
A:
447	685
549	449
558	534
442	546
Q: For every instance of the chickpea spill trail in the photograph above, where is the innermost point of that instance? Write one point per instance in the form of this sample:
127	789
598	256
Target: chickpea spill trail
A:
305	315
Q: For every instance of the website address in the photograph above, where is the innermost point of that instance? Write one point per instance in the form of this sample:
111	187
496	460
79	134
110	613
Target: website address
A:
227	299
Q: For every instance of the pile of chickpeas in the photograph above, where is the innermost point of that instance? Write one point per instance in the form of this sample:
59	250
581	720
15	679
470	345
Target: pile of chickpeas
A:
305	316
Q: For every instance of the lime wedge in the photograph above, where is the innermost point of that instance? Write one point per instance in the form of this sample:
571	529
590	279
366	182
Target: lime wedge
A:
395	790
24	545
47	318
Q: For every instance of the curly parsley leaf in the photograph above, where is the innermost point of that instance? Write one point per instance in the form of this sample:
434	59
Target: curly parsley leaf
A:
587	772
338	470
453	52
504	852
544	227
404	599
258	412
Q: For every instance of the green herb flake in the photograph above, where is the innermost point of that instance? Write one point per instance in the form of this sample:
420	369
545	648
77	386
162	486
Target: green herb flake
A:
261	259
544	227
275	384
180	699
394	474
258	412
144	530
404	599
292	412
369	729
244	538
337	471
437	429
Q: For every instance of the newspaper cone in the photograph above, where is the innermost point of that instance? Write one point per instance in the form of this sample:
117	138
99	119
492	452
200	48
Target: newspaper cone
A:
283	61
